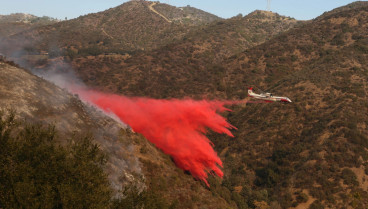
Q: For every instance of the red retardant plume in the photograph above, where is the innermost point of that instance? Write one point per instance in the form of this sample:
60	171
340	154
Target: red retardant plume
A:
177	127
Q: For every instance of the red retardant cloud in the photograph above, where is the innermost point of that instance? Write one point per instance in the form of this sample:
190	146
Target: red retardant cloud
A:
177	127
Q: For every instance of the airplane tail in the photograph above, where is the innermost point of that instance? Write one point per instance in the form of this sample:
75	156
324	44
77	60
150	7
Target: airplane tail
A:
250	91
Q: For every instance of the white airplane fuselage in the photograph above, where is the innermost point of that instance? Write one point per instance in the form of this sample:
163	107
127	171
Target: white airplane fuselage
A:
267	97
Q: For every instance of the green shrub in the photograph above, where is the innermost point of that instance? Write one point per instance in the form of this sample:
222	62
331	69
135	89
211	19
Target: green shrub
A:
35	172
349	177
316	205
133	199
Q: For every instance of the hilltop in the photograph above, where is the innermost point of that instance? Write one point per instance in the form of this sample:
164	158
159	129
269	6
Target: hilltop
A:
26	18
132	26
185	15
18	22
354	5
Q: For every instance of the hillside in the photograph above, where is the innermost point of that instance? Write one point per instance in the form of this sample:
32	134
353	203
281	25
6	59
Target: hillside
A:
26	18
314	150
185	15
353	5
18	22
311	153
131	160
36	100
186	60
132	26
234	35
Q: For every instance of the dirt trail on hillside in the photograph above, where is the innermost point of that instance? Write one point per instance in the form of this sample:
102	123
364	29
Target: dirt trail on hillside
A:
103	30
153	10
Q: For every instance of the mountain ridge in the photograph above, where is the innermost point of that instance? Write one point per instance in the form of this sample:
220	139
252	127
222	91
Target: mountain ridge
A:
130	27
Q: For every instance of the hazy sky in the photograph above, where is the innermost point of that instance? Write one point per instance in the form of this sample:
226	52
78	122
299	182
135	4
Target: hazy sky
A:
299	9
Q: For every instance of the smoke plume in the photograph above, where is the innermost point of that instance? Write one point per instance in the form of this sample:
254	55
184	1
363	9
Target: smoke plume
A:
177	127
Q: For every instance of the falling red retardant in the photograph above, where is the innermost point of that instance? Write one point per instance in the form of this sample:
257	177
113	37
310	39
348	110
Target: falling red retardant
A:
177	127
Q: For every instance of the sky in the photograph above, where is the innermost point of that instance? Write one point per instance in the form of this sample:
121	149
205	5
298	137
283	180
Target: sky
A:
298	9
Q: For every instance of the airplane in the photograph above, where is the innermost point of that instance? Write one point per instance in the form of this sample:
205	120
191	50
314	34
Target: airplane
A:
267	97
